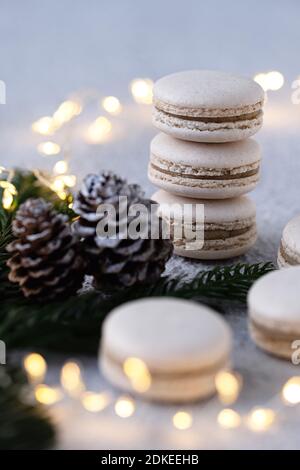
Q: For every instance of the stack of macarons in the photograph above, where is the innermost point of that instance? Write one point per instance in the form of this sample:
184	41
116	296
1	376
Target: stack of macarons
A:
204	156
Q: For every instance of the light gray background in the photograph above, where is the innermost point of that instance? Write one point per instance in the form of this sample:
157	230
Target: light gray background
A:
50	49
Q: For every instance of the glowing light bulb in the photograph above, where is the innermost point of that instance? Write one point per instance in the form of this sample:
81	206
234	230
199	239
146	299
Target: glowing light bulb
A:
60	167
229	419
142	90
261	419
48	148
138	374
124	407
35	366
66	111
112	105
95	402
69	180
44	126
182	420
71	378
7	199
270	81
99	130
228	385
291	391
47	395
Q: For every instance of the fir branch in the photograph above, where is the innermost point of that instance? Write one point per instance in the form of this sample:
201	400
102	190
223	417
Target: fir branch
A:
74	325
23	426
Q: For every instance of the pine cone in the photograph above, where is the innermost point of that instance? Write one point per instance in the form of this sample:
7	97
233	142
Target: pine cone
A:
117	262
45	258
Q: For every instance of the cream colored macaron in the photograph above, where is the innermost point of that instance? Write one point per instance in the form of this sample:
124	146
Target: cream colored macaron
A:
274	312
209	171
289	250
165	349
207	106
209	229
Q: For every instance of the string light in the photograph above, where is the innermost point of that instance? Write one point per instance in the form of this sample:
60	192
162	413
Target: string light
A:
60	167
99	130
44	126
270	81
229	419
138	374
66	111
228	385
7	199
182	420
35	366
47	395
261	419
48	148
112	105
95	402
142	90
291	391
71	379
124	407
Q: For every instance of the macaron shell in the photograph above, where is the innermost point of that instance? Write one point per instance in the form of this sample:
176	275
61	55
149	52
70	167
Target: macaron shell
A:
182	342
289	252
209	89
212	156
170	390
273	301
217	211
271	344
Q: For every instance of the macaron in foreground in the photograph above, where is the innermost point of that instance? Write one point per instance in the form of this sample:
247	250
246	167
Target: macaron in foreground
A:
274	312
208	229
209	171
207	106
165	349
289	250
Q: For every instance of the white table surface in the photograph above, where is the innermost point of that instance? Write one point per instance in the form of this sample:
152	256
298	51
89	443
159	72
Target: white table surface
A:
51	49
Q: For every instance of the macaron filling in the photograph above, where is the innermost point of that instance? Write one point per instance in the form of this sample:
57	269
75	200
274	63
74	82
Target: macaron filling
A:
216	119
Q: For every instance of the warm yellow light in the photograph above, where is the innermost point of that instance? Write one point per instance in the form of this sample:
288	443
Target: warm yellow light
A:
124	407
60	167
66	111
47	395
229	419
261	419
182	420
48	148
62	195
44	126
71	378
69	180
228	385
142	90
35	366
291	391
138	374
270	80
7	185
112	105
99	130
95	402
58	184
7	199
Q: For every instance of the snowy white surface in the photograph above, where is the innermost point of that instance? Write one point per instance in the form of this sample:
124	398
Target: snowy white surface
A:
51	49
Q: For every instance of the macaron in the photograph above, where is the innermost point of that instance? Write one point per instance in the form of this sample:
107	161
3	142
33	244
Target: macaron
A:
289	250
165	349
274	311
209	171
226	228
207	106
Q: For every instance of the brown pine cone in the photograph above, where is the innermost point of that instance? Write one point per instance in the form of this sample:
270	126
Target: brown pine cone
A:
117	262
45	259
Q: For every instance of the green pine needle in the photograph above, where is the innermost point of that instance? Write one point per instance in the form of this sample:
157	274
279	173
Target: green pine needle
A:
74	325
23	426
